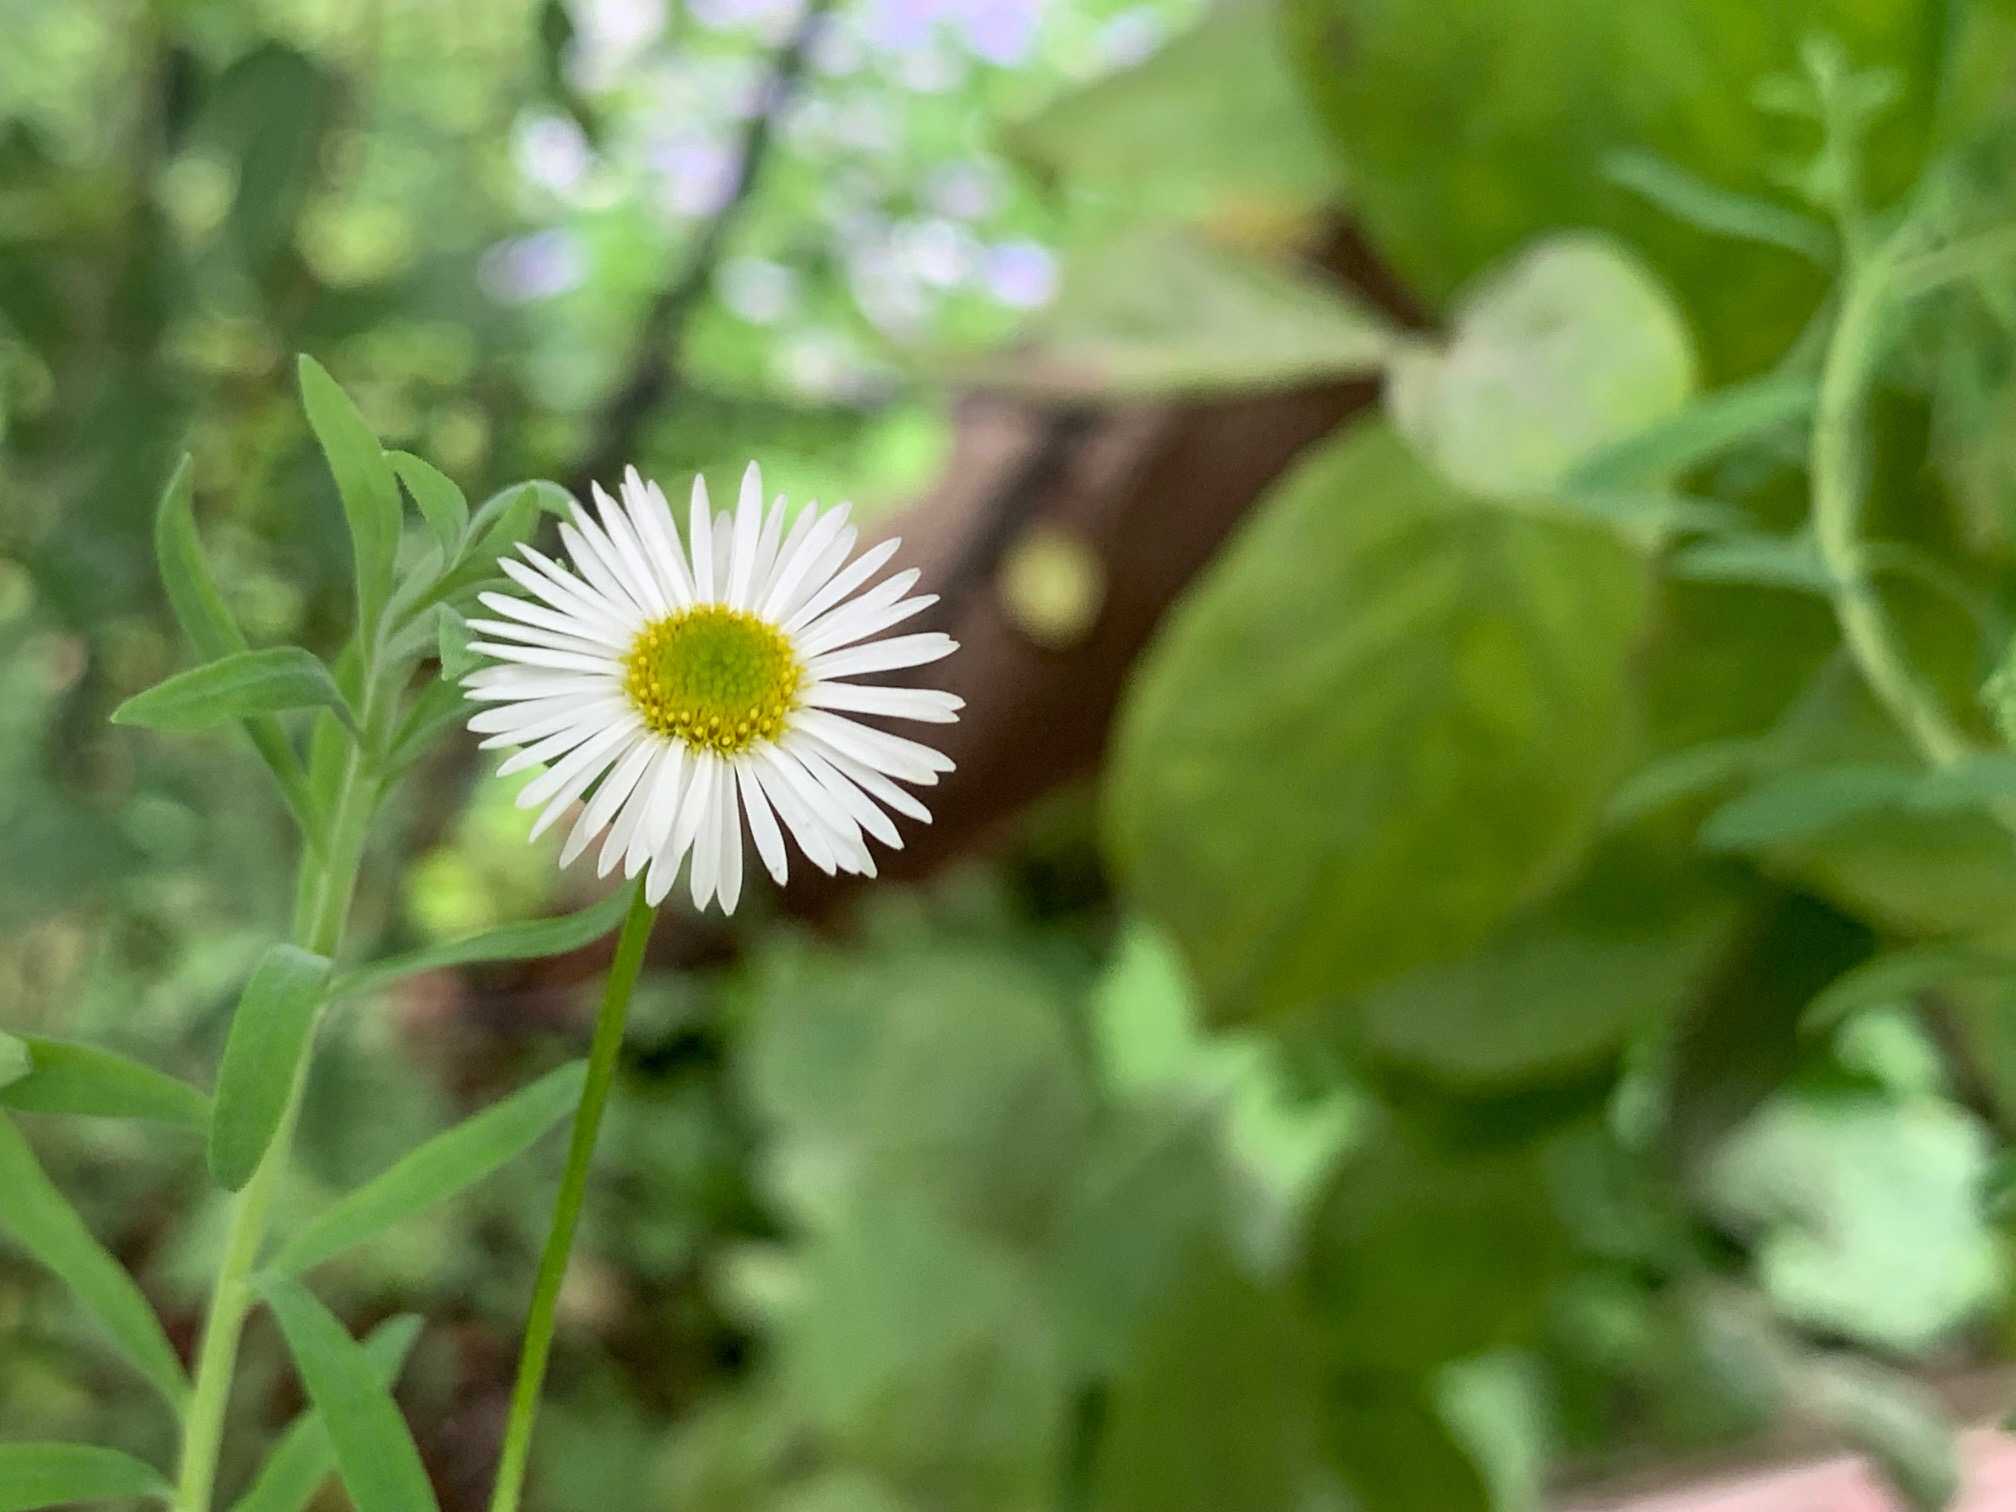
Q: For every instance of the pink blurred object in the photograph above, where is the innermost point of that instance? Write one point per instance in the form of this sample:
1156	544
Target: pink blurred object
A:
1835	1485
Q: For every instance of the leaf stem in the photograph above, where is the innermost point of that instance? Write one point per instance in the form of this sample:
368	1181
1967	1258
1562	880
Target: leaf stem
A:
602	1057
328	883
1840	474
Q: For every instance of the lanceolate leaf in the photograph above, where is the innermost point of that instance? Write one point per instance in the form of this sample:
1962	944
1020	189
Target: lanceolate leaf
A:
269	1040
1709	426
304	1458
1725	212
43	1223
65	1077
375	1455
514	942
1898	976
241	684
201	612
365	481
15	1062
444	1167
56	1475
441	502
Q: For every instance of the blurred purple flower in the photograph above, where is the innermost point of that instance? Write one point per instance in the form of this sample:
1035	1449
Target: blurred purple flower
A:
1001	32
1131	37
698	176
963	191
1021	273
537	266
551	151
760	291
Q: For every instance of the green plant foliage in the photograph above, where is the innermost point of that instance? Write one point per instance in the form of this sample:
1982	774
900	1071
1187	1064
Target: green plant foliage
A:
364	480
234	687
42	1222
48	1475
1570	346
1867	1215
264	1059
511	942
1285	769
444	1167
62	1076
440	502
374	1453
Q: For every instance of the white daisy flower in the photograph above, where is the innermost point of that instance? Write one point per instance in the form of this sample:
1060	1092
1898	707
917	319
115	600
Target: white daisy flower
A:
695	691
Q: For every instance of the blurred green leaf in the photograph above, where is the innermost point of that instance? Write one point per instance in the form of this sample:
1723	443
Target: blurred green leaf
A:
1210	128
1867	1215
1160	313
1218	1403
15	1062
1721	212
204	618
1798	805
269	111
374	1452
51	1475
264	1059
304	1458
452	637
241	684
443	1168
365	481
44	1224
1398	1452
63	1076
1571	346
1900	976
1899	1422
1307	750
512	942
1704	429
440	502
1763	561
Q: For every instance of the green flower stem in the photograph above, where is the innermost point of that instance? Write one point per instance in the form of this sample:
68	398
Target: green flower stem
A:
602	1057
328	883
1840	475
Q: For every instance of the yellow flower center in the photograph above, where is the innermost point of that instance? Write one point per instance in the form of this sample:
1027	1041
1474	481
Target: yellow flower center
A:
719	679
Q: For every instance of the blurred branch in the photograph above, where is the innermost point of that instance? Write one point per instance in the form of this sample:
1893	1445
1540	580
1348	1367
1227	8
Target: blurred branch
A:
654	366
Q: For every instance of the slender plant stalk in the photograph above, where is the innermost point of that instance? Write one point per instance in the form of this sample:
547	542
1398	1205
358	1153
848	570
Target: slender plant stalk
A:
602	1057
328	883
1839	467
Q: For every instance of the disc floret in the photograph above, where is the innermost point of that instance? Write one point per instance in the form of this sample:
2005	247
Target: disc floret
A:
715	678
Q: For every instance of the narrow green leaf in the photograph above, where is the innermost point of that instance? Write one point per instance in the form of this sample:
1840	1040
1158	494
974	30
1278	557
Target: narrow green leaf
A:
1722	212
444	1167
375	1455
1972	783
269	1040
201	612
304	1458
439	705
1796	806
245	682
44	1224
1763	561
365	480
1706	428
66	1077
504	519
513	942
56	1475
1898	976
452	637
1685	774
15	1062
441	503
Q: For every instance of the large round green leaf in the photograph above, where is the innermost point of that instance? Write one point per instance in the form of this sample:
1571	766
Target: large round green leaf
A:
1385	720
1473	128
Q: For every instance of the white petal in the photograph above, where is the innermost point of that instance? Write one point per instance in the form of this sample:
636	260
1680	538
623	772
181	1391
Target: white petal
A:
883	656
840	585
914	763
762	822
728	877
700	530
692	811
724	551
528	683
825	810
588	561
648	812
652	519
857	803
873	782
554	714
552	748
800	527
766	550
617	786
820	572
807	831
556	777
748	527
880	597
526	635
637	573
704	876
792	569
926	705
582	768
570	594
847	625
534	656
548	619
